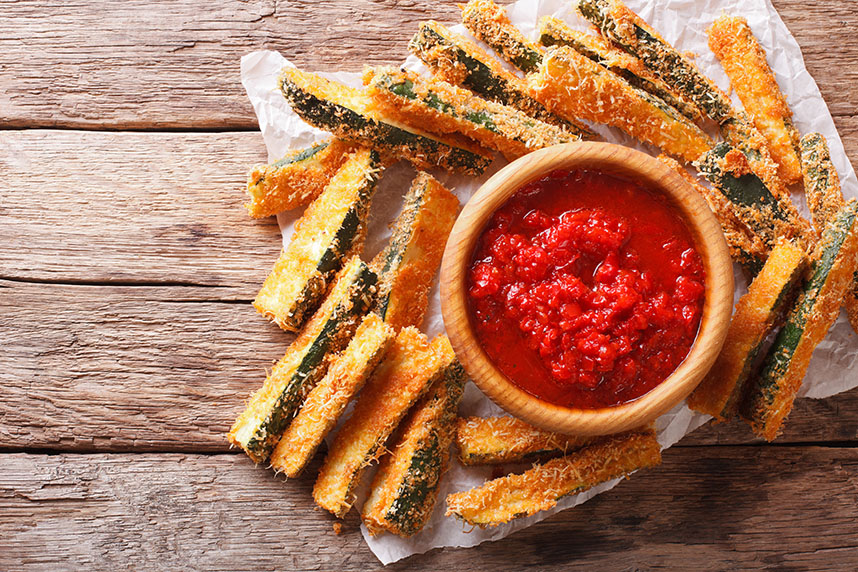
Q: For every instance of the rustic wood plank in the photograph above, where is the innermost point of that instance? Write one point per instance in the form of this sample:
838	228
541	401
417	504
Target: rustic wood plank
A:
105	368
133	207
703	509
176	64
131	368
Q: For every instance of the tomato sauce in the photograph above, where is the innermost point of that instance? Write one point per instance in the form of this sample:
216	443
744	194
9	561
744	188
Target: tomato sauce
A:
585	289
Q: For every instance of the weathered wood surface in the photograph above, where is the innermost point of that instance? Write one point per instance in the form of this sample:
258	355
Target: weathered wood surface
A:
133	208
726	508
144	64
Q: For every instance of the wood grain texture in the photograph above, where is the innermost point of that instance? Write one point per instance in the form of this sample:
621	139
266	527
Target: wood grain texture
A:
133	207
144	65
725	508
127	368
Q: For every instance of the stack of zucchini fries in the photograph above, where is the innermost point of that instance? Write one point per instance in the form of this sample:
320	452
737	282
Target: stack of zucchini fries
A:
356	322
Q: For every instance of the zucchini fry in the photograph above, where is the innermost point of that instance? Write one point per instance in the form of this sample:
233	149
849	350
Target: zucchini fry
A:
412	364
405	487
327	401
825	199
489	23
296	179
572	85
744	60
408	264
257	429
554	32
332	229
413	100
770	400
501	500
745	246
628	30
768	215
757	314
346	112
495	440
457	61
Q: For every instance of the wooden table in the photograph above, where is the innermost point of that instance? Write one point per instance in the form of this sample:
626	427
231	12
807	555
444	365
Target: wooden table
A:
127	344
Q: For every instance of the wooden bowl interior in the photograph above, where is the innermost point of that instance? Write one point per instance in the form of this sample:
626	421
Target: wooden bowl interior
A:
710	243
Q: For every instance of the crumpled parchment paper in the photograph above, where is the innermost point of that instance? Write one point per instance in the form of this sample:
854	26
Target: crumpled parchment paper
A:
683	23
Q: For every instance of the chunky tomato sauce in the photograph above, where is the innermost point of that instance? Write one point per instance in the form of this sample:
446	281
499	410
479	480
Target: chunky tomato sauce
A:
585	289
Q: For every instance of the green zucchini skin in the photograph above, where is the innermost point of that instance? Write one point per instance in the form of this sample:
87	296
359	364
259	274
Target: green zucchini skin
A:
488	22
354	124
439	48
330	330
770	399
764	213
636	38
425	441
296	286
554	33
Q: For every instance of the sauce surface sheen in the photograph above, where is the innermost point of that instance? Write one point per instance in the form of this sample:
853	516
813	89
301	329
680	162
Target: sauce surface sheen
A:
585	289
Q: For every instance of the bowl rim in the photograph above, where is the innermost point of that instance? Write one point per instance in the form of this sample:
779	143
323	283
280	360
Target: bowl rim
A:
709	241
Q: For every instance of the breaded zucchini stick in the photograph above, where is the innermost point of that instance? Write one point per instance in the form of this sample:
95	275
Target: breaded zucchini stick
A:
296	179
457	61
767	214
825	199
405	487
745	246
495	440
327	401
411	366
757	314
445	108
332	229
489	23
629	31
572	85
554	32
770	399
514	496
329	330
411	259
744	60
345	111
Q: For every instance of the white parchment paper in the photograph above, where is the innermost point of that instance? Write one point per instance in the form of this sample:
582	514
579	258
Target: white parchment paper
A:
682	22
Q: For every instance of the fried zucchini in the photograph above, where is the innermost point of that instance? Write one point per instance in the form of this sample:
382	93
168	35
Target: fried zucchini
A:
744	61
414	100
296	179
770	399
501	500
495	440
572	85
745	246
408	264
405	487
554	32
412	364
769	216
457	61
332	229
489	23
627	30
345	111
824	198
329	330
757	314
328	399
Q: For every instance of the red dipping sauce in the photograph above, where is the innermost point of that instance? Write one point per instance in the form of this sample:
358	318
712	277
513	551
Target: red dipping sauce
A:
585	289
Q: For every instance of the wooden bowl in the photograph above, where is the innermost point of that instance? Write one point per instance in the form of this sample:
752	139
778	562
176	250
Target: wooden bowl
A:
710	244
